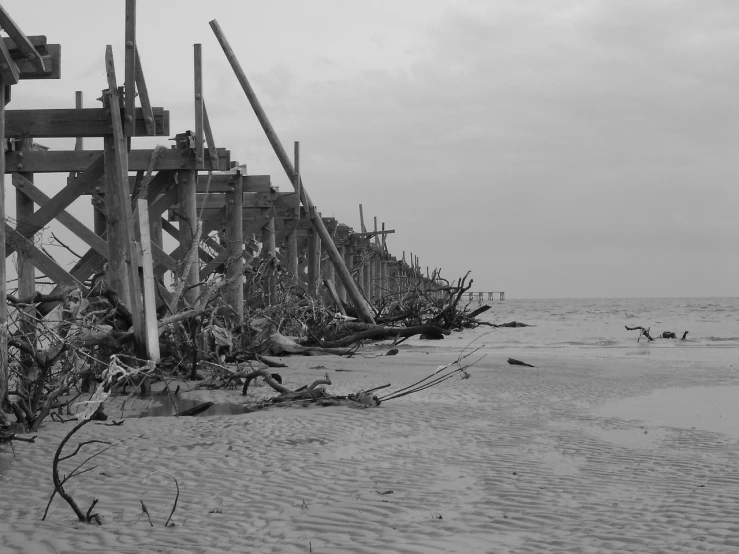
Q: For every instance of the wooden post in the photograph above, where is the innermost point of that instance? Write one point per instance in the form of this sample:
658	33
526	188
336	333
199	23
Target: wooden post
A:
130	76
235	239
341	291
314	262
3	278
149	282
296	178
359	303
118	195
24	208
292	253
199	145
270	251
187	180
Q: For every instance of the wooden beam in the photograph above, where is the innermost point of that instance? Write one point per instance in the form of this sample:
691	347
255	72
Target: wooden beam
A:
89	122
44	263
199	146
224	182
212	150
9	73
186	187
129	129
149	283
139	160
124	252
4	372
296	177
144	96
235	249
37	41
21	40
49	210
52	61
359	302
24	208
26	189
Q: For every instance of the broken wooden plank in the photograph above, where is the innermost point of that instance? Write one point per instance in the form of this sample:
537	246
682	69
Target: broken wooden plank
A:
9	73
212	150
52	62
144	96
88	122
65	161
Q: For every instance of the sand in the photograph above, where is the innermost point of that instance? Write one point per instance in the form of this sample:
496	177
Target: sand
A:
564	457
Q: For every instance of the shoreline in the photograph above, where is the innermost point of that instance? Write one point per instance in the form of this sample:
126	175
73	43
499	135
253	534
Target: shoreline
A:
512	459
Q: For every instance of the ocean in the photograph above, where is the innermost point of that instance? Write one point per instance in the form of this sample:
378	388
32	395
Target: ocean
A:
573	323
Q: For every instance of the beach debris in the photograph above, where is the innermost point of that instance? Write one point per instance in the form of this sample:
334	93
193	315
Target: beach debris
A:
513	361
88	517
392	352
169	522
195	410
511	324
442	373
645	333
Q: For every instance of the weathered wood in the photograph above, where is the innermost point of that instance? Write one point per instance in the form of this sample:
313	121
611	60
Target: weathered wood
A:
44	263
334	295
223	182
149	283
314	262
292	253
120	215
212	150
61	201
24	209
270	248
129	128
3	279
52	62
22	42
62	161
144	96
235	249
27	189
186	187
88	122
198	71
9	73
359	302
296	177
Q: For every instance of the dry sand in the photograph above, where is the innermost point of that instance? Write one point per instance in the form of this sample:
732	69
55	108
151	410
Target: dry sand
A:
560	458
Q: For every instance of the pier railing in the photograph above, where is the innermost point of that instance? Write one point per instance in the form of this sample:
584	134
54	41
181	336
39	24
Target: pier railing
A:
480	297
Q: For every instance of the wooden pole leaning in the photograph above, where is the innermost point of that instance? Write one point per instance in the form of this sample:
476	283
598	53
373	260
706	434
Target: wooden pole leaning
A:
124	254
3	278
359	303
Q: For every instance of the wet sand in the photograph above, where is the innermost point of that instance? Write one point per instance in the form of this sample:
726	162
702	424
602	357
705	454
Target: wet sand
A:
583	453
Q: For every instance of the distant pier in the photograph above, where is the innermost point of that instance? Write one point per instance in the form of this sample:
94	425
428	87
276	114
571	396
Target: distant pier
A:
479	297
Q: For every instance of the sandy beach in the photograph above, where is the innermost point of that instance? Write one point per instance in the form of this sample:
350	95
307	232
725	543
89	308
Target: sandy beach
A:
564	457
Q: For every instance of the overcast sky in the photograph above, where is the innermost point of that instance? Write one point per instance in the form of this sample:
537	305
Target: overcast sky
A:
558	148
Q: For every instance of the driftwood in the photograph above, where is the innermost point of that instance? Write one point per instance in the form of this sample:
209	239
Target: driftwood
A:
644	332
511	324
195	410
381	332
518	362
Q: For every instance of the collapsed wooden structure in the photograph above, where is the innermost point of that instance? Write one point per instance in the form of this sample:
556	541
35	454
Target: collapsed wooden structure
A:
192	195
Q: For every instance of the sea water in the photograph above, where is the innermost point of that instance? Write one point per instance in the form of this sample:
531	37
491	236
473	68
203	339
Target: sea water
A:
586	323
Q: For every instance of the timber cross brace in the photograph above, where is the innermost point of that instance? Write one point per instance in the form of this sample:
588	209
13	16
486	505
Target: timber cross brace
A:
182	214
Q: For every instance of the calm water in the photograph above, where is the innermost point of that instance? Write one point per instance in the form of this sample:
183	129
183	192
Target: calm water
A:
580	326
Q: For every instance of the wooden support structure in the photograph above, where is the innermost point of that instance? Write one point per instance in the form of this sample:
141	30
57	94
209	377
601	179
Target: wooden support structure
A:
359	303
186	198
123	250
235	248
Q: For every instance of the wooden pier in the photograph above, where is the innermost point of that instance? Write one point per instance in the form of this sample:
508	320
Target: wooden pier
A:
480	297
219	215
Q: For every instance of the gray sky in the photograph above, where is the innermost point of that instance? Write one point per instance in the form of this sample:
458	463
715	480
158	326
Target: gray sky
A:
557	148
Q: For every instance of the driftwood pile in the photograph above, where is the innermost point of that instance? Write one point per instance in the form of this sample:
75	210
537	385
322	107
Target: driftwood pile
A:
62	343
